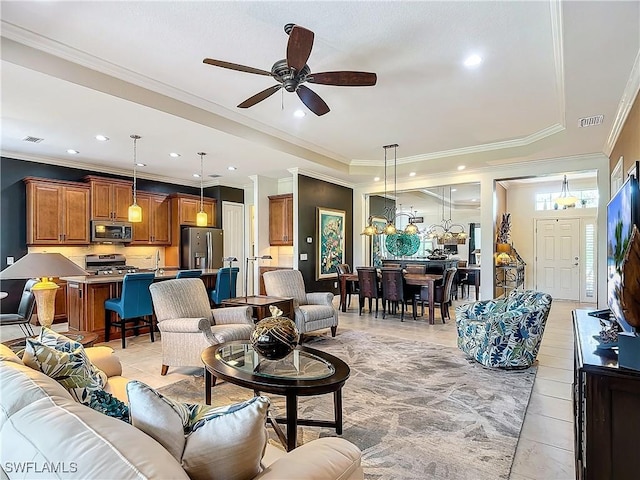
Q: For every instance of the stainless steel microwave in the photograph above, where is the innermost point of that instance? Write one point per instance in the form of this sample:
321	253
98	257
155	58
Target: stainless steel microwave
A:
104	231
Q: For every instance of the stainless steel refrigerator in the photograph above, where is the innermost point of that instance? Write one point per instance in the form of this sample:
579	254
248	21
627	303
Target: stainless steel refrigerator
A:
201	247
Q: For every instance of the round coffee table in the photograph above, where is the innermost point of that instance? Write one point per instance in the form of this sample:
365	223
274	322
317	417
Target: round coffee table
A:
304	372
87	339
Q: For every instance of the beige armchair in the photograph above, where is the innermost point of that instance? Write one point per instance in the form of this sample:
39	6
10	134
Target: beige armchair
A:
313	311
189	325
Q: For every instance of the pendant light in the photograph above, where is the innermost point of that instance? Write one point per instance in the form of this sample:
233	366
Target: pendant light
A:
201	217
135	212
390	227
566	199
447	232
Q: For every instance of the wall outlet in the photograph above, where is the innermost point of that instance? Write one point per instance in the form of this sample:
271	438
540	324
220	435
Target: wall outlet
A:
303	256
10	260
309	240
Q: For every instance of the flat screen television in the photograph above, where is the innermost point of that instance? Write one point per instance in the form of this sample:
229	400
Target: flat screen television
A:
622	214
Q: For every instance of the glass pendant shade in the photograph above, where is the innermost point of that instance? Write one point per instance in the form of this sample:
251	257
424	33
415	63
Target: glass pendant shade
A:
566	199
201	219
135	213
369	230
390	229
411	229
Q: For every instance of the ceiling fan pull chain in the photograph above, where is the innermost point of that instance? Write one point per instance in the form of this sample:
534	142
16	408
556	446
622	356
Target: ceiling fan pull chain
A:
282	99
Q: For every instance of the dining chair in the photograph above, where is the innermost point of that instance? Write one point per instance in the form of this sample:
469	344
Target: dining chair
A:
460	280
441	295
189	274
343	269
25	310
393	291
225	285
369	287
133	306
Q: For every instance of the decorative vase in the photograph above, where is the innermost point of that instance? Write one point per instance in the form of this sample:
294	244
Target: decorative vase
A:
275	337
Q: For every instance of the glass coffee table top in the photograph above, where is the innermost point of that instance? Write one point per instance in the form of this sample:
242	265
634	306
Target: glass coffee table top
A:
298	365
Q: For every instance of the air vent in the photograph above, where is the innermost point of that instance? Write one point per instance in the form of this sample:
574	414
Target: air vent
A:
215	175
33	139
591	121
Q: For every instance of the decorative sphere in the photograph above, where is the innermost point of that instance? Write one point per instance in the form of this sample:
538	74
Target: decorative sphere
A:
275	337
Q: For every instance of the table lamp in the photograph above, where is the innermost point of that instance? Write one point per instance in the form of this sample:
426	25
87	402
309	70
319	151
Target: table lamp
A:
44	266
246	271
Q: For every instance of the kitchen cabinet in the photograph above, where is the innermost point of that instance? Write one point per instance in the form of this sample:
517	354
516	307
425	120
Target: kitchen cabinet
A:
155	228
110	198
186	207
57	212
281	219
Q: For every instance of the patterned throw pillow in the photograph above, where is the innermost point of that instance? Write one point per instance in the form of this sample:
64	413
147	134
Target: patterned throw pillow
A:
210	442
106	403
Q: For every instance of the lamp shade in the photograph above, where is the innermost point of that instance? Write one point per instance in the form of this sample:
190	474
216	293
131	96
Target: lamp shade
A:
37	265
135	213
43	265
201	219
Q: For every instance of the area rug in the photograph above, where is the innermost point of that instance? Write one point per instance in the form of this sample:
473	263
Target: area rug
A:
416	410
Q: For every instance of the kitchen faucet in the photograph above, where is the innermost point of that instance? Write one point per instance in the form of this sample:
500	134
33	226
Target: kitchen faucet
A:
157	260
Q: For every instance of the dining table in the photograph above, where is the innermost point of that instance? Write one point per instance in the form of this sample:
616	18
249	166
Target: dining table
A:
425	280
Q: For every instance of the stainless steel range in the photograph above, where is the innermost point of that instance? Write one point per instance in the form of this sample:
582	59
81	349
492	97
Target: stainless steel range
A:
111	264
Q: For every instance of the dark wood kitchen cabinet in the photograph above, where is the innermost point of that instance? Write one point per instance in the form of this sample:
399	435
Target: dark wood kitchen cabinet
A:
110	198
281	220
57	212
155	228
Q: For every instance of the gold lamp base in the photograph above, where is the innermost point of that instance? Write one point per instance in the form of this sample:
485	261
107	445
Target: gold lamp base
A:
45	293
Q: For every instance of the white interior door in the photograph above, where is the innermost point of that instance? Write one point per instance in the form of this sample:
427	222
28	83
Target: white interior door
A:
233	226
558	258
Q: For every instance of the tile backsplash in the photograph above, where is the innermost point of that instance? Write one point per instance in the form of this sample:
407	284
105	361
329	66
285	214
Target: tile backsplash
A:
141	257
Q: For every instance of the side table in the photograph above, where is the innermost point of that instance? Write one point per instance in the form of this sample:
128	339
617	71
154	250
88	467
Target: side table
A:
260	305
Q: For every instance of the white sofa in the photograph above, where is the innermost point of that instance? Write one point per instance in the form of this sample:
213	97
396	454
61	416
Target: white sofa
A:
44	433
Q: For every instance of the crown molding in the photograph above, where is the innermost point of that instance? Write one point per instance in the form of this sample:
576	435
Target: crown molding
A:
92	168
624	107
515	143
321	176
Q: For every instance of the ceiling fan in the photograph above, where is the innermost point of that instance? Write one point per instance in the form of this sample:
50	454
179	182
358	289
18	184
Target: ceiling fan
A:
293	71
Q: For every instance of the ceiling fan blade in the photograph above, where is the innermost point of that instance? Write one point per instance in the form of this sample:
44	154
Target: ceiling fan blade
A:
258	97
344	79
312	100
299	47
235	66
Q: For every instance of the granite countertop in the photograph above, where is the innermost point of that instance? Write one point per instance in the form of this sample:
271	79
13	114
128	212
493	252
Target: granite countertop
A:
162	274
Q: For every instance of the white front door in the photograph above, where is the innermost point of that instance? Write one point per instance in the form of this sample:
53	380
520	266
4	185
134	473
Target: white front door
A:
558	258
233	226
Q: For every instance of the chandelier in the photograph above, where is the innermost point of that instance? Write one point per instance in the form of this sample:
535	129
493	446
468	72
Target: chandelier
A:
566	199
447	232
389	212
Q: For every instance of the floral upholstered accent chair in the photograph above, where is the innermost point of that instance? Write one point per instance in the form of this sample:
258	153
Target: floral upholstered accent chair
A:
504	332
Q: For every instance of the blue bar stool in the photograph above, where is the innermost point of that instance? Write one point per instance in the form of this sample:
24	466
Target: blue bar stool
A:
225	285
134	305
189	274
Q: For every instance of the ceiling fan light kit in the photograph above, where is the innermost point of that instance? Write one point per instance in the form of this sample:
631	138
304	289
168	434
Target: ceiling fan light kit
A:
293	71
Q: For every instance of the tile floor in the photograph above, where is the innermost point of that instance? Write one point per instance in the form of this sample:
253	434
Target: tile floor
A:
545	447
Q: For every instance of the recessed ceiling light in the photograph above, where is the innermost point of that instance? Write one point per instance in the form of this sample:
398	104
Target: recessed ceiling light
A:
231	168
72	151
461	167
141	164
474	199
102	138
197	175
376	179
174	155
454	189
412	174
299	113
472	61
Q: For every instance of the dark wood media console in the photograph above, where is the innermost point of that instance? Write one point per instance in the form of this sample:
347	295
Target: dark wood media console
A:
606	406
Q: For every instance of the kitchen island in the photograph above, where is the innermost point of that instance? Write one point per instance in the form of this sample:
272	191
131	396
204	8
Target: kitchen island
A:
86	296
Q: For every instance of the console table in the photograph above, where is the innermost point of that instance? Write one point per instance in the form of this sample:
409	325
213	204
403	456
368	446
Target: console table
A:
606	407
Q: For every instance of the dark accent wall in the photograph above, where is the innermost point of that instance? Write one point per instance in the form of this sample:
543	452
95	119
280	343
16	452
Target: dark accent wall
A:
13	207
313	193
377	204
